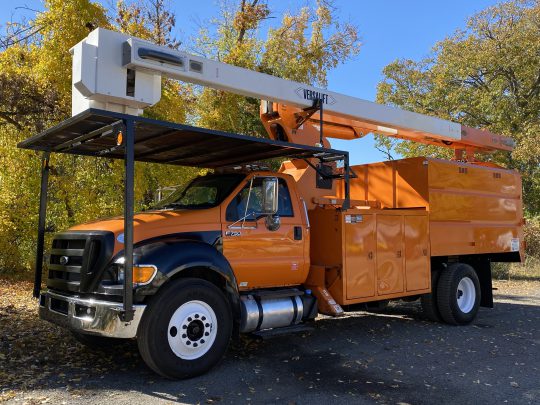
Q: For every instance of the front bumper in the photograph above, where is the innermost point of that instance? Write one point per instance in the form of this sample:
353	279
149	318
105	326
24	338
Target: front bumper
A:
90	316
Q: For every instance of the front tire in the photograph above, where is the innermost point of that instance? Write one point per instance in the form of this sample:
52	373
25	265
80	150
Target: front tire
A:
186	329
458	294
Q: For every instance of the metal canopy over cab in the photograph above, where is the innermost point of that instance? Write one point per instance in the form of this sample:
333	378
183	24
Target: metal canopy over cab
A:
96	133
101	133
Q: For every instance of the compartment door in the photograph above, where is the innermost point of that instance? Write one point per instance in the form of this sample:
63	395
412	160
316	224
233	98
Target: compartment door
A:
360	256
417	271
390	254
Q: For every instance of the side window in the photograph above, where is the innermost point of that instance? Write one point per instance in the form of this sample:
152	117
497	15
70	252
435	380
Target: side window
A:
237	207
284	200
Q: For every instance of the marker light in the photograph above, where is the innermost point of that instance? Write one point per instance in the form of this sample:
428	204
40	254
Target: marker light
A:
143	274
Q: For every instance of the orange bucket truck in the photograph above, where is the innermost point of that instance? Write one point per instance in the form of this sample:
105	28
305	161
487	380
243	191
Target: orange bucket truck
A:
245	249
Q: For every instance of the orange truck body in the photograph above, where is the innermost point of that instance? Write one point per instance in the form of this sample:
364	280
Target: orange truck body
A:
404	213
409	211
407	214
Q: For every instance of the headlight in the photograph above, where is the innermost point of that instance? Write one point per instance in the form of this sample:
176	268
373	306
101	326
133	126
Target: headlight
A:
142	273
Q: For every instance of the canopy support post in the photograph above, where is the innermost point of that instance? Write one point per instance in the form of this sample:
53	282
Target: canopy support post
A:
129	168
321	122
346	177
41	222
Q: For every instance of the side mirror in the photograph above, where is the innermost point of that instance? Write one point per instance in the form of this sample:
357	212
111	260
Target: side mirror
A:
269	196
272	222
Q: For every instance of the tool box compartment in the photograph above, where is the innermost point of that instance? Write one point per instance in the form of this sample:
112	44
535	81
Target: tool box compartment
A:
371	254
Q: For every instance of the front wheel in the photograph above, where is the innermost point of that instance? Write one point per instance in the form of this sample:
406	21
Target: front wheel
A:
458	294
186	329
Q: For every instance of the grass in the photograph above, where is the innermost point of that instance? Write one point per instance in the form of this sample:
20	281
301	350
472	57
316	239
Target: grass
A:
528	270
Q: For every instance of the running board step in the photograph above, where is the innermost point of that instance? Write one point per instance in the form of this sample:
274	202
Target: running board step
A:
288	330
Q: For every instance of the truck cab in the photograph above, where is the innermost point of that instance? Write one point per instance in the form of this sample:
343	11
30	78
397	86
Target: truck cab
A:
224	211
241	231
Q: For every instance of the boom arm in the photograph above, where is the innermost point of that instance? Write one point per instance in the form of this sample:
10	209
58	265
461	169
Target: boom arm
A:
299	125
117	72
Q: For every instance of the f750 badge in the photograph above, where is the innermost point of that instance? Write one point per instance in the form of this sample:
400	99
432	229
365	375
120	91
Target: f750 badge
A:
233	233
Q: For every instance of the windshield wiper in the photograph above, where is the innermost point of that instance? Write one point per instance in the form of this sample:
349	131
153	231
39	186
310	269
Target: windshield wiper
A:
170	205
187	206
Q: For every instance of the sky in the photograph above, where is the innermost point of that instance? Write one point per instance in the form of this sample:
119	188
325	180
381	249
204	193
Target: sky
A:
389	30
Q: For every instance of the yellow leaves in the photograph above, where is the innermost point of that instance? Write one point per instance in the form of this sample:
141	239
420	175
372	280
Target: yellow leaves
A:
62	25
132	20
302	47
308	44
249	16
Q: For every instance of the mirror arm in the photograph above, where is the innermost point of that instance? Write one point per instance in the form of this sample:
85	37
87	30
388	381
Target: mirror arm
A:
244	220
247	204
306	212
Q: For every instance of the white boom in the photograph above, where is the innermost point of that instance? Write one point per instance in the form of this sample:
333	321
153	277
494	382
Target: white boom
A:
116	72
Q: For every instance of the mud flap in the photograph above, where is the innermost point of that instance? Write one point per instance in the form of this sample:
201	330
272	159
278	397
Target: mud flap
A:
483	270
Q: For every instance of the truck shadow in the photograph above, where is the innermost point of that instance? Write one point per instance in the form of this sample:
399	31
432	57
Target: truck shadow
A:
395	354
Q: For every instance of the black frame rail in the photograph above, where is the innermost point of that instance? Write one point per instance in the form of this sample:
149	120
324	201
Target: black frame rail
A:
100	133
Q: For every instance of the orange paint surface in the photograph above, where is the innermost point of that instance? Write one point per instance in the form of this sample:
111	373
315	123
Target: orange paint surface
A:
151	224
365	253
473	209
263	258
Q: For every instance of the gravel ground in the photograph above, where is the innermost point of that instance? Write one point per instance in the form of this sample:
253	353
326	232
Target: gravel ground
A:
392	357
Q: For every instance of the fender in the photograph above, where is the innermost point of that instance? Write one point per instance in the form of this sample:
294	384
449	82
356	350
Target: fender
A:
174	256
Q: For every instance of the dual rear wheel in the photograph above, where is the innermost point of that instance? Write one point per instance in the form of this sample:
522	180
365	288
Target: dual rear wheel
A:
455	296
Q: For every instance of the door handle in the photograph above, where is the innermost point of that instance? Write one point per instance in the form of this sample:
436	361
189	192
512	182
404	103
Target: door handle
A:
297	233
398	253
370	255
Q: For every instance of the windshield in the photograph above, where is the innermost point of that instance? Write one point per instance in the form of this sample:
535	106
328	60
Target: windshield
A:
203	192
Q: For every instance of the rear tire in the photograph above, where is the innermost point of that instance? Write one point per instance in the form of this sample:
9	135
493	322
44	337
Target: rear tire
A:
458	294
186	329
429	301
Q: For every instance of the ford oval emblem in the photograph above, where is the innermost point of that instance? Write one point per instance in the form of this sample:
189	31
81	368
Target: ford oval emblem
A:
64	260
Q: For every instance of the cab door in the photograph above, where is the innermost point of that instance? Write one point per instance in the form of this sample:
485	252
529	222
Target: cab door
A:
259	256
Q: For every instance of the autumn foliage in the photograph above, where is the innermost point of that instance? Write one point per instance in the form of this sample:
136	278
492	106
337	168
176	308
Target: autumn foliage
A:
486	75
35	93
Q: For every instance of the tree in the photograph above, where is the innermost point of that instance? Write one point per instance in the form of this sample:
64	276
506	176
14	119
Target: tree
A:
35	86
153	21
487	76
35	93
304	47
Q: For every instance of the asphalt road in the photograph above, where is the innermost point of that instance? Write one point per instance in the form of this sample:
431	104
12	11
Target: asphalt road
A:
392	357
